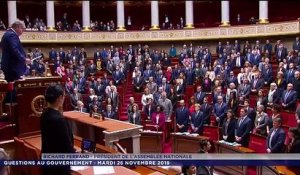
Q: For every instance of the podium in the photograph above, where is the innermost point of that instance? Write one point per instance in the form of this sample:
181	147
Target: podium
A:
30	104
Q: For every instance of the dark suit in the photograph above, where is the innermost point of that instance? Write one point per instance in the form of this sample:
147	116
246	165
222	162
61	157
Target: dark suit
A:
138	83
242	61
199	96
53	55
136	120
243	130
228	129
220	111
295	147
296	85
182	118
74	100
268	47
57	137
276	144
206	109
148	110
118	77
267	75
281	54
232	79
257	84
290	99
244	90
111	115
166	87
197	121
13	56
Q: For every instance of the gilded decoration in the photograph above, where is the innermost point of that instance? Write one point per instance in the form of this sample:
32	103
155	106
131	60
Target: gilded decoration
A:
267	29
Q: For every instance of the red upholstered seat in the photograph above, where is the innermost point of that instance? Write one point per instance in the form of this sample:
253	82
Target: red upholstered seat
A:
32	153
257	143
20	155
212	132
190	90
288	118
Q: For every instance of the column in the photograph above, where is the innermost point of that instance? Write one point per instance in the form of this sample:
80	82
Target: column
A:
154	15
86	16
12	12
50	16
189	15
263	12
136	144
120	16
225	13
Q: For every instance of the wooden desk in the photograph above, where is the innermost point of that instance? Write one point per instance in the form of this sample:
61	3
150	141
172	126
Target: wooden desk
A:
35	141
151	142
108	130
186	143
223	148
29	100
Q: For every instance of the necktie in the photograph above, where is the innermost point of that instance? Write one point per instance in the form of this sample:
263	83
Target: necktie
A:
254	83
286	96
226	127
272	135
241	121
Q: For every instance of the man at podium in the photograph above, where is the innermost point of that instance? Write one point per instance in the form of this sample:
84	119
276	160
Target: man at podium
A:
13	56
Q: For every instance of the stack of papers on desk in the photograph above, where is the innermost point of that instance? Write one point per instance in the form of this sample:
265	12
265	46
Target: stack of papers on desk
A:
229	143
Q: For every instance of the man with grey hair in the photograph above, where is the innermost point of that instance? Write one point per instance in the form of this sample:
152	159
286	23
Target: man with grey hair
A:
166	104
13	54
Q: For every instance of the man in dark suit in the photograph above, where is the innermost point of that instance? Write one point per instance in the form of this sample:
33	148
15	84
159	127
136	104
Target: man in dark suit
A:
118	76
220	110
296	83
115	98
53	54
256	83
99	89
296	45
232	79
276	137
197	120
13	54
290	74
13	62
244	89
239	60
281	52
199	95
138	82
165	86
216	93
219	48
289	98
206	109
243	128
268	47
109	113
182	117
267	74
251	113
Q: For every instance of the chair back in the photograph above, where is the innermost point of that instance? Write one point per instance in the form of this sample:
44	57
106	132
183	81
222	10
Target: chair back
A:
32	154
